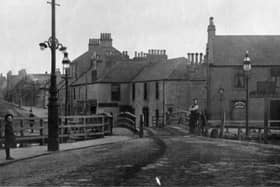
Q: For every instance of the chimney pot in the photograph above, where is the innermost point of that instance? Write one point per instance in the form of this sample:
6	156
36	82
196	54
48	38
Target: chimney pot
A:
201	58
192	58
211	21
196	58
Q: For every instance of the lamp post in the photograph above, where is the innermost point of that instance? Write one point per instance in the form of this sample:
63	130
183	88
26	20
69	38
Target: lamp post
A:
53	44
66	66
221	93
247	68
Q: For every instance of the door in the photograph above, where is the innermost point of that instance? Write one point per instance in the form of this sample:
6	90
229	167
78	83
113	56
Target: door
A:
275	112
146	116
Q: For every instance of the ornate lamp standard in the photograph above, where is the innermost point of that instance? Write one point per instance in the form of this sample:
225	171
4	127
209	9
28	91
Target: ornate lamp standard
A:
66	67
247	68
53	44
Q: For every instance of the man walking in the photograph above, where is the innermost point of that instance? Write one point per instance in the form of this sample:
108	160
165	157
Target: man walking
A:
10	140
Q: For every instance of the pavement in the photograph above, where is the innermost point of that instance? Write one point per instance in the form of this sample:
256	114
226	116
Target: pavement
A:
101	165
35	151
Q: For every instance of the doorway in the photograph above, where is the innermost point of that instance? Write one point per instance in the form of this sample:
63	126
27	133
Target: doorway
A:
275	112
146	116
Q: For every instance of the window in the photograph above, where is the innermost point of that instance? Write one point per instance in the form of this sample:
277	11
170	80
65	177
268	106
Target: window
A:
157	90
133	91
145	91
93	75
275	76
115	92
74	93
79	95
239	80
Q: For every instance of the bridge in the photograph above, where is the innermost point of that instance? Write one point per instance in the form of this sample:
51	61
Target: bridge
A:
35	130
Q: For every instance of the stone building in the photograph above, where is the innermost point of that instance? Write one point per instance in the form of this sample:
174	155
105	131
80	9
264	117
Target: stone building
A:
167	86
148	84
90	66
224	55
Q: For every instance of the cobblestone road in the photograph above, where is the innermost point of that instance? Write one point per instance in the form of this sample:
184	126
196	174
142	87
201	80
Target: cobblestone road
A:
173	158
198	161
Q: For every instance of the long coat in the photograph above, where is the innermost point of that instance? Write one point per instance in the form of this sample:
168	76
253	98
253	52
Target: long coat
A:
10	139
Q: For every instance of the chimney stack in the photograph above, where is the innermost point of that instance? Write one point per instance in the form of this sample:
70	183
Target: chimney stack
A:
105	39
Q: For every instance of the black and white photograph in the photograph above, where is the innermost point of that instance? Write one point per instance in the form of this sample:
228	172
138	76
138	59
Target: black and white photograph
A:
143	93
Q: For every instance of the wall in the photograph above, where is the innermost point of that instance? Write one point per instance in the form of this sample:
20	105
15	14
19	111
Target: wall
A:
223	77
152	103
177	95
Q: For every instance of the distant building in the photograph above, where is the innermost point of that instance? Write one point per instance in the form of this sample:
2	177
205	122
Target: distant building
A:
225	54
26	89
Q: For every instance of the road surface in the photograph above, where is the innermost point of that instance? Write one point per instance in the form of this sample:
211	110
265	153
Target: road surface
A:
169	158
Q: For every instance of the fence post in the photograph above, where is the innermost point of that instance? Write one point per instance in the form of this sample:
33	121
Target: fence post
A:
61	125
259	134
141	126
103	125
41	131
111	124
238	133
21	128
265	119
222	126
85	129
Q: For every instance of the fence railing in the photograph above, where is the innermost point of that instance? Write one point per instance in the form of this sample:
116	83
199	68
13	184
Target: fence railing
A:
158	121
253	124
180	117
127	120
70	127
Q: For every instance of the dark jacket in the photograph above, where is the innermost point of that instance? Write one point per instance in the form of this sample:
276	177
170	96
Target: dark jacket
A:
10	139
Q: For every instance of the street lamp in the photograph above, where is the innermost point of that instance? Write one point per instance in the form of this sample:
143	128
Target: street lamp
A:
66	66
53	44
221	94
247	68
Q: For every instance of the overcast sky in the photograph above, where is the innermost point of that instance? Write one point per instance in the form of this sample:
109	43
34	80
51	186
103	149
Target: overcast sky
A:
179	26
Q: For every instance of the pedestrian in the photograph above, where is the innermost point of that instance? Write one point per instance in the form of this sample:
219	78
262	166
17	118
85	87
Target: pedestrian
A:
194	115
10	140
31	121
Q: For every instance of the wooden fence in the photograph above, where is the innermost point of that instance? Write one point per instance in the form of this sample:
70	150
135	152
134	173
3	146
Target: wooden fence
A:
35	129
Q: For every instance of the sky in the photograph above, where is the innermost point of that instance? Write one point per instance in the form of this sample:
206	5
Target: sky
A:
179	26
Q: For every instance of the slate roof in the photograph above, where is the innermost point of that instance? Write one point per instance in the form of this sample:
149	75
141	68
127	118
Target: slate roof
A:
230	50
124	71
172	69
142	71
84	60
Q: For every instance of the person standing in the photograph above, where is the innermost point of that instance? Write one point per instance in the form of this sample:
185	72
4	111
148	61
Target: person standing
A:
10	140
194	115
31	121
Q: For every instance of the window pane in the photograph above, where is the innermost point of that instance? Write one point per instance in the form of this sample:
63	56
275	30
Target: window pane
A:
116	92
